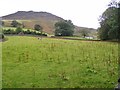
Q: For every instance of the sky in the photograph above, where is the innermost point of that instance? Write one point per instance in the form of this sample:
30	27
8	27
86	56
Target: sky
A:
84	13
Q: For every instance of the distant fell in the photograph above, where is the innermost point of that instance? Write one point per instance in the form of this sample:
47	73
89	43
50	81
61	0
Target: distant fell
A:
31	15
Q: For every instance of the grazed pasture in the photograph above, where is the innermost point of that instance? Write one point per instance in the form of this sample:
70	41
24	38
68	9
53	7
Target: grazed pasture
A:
54	63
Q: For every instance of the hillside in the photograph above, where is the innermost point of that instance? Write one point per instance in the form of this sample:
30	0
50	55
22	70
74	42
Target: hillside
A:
45	19
31	15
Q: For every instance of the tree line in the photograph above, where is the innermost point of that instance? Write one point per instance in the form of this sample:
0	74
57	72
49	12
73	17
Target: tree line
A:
19	29
62	28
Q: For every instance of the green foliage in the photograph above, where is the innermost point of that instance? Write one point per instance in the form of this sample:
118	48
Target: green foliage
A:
38	27
14	23
53	63
103	32
64	28
18	30
84	32
9	31
109	23
2	36
27	32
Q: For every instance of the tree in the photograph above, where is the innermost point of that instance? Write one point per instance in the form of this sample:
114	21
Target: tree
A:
64	28
2	36
3	23
37	27
18	30
84	32
109	25
103	31
15	23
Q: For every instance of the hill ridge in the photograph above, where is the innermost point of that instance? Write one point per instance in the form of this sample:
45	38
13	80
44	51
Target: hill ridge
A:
31	15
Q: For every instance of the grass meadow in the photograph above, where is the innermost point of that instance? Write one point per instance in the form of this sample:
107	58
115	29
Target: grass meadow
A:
57	63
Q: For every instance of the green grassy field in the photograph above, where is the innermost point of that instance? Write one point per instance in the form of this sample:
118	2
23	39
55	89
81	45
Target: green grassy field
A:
53	63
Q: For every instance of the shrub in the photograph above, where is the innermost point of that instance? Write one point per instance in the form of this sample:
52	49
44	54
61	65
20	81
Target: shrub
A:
27	32
18	30
2	36
8	31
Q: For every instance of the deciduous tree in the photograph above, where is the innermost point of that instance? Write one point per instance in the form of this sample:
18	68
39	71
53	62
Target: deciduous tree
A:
109	24
64	28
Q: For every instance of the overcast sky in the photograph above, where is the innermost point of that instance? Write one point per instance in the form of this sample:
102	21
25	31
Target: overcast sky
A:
83	13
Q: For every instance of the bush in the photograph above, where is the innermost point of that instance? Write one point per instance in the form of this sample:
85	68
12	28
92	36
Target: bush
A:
27	32
18	30
7	31
2	36
44	34
33	33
